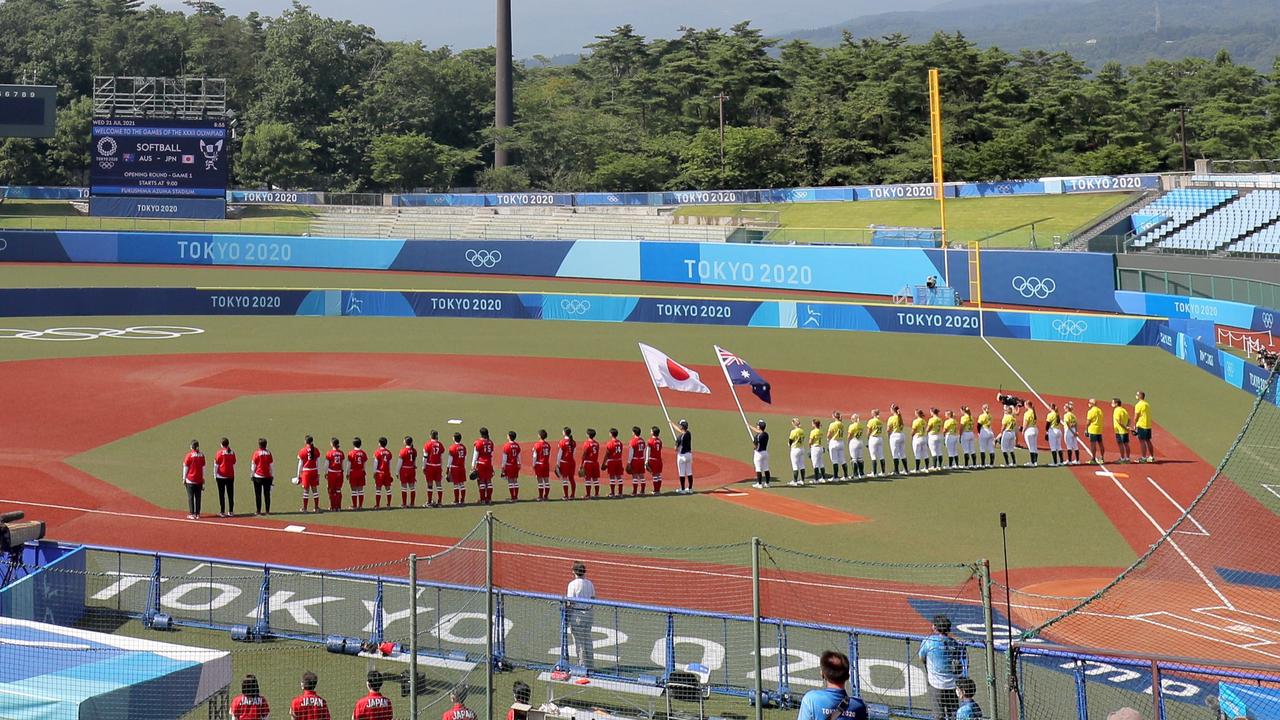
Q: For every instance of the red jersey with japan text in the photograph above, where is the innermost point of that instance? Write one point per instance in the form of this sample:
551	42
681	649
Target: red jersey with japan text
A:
382	466
542	458
511	460
261	461
250	708
309	706
357	459
567	463
193	474
654	461
613	457
224	463
333	465
591	458
459	712
457	463
373	706
408	463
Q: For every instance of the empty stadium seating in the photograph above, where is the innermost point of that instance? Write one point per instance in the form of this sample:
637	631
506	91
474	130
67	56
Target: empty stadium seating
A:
1243	218
486	224
1171	211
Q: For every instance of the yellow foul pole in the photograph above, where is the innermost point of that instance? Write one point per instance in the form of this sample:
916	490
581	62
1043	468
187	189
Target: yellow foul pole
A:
935	131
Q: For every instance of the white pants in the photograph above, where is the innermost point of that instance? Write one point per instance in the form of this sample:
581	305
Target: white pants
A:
815	455
953	444
919	447
855	449
986	441
835	448
1032	436
797	458
935	444
760	458
1068	439
1008	441
897	448
966	443
875	447
684	464
1055	439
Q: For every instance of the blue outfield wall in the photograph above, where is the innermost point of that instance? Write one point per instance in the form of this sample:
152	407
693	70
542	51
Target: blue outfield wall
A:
1218	312
1233	370
1028	325
1017	277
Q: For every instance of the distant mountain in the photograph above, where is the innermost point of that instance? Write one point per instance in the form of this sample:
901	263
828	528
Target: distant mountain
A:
1095	31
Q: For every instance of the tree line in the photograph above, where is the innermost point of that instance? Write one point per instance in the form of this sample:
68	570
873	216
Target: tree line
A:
326	104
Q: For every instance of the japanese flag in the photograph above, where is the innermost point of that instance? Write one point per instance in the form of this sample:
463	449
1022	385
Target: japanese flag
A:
668	373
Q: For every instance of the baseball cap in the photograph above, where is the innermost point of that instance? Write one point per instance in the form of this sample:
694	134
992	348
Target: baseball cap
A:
760	423
683	423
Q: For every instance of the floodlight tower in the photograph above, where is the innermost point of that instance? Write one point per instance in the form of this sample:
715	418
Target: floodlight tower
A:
504	100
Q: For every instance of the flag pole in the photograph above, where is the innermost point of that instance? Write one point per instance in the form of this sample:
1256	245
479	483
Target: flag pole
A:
656	391
733	392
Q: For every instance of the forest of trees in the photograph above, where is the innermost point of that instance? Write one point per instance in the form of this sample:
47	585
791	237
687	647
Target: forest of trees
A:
325	104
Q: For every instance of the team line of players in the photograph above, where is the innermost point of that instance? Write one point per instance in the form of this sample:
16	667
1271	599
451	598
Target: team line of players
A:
613	459
937	433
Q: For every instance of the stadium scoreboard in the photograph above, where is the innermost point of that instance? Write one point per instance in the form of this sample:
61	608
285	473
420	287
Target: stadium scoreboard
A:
28	111
159	158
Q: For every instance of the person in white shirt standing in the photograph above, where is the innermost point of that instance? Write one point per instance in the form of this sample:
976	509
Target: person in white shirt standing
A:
580	615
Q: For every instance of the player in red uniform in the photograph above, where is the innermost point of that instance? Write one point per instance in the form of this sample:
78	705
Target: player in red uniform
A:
459	711
335	468
407	469
542	465
224	474
308	473
591	464
458	469
193	479
482	465
309	705
433	469
262	462
511	465
653	459
249	704
613	450
374	706
565	464
381	473
357	458
635	460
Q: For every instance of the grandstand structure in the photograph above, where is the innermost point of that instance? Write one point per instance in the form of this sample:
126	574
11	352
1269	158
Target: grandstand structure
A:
1224	215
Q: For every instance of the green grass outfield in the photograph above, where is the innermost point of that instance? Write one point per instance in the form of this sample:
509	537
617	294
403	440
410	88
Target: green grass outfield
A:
997	221
1181	394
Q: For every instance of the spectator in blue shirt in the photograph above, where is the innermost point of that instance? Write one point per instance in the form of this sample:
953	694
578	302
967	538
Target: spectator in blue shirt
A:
969	709
943	660
832	702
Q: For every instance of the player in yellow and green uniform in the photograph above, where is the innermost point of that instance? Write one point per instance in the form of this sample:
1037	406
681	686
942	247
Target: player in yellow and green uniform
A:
986	438
1031	433
1008	436
875	443
933	426
1142	427
856	446
1093	428
1053	431
817	448
897	443
968	437
1070	435
951	435
795	443
1120	424
836	448
919	444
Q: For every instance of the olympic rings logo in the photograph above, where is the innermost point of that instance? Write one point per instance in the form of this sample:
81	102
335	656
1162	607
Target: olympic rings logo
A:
1029	287
484	258
613	199
1267	318
575	306
1070	328
76	334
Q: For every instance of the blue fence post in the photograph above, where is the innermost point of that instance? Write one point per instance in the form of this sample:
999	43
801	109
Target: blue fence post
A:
1157	689
617	658
153	594
906	648
263	626
671	645
499	627
1082	698
376	638
853	665
784	677
563	664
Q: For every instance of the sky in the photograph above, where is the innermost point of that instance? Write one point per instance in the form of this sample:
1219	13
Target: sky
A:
553	27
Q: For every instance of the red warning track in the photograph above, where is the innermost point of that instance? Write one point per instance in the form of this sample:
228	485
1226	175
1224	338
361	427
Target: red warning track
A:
100	400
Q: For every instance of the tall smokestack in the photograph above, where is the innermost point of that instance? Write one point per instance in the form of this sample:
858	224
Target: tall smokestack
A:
502	107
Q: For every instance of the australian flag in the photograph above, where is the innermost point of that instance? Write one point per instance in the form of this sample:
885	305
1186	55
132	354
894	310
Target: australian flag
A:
740	373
